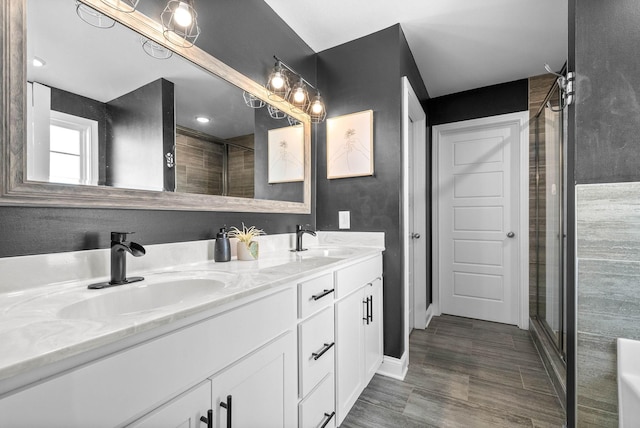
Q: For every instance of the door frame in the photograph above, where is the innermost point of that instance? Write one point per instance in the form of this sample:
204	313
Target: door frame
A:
522	270
410	107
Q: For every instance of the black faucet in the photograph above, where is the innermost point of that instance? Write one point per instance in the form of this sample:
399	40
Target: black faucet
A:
301	230
119	250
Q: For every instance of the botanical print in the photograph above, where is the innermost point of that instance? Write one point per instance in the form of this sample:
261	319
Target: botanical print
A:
286	154
349	145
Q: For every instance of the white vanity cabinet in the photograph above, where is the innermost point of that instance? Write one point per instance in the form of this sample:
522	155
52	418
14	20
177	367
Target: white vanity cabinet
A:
359	340
316	358
244	341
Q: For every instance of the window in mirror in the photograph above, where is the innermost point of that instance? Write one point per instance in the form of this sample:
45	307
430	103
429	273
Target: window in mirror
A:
73	153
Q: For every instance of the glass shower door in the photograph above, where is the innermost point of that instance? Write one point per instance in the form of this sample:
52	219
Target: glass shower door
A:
550	207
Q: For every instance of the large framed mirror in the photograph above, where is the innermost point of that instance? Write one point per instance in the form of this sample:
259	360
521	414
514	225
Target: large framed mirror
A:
84	130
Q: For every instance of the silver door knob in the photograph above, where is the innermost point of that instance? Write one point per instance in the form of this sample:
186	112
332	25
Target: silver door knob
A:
415	236
510	235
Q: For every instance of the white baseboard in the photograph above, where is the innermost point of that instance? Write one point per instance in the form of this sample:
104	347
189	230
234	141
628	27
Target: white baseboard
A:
395	368
430	314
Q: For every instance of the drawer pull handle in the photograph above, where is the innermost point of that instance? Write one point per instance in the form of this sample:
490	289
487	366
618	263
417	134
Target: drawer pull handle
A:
324	349
208	419
370	299
367	314
329	416
227	406
321	295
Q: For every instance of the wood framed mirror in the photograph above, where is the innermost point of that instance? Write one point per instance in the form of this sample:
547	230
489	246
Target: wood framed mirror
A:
20	186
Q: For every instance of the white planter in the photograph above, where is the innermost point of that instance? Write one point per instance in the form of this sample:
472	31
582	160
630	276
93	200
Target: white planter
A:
249	252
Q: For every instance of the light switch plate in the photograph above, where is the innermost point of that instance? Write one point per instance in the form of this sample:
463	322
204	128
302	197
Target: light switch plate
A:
344	219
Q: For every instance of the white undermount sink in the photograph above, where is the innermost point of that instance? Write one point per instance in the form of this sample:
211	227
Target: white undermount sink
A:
628	383
326	252
140	297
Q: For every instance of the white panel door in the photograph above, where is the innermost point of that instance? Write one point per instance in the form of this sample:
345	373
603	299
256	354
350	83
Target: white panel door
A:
478	183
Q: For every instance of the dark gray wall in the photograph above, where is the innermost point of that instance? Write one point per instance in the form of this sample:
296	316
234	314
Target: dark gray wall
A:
77	105
607	108
361	75
482	102
141	127
243	34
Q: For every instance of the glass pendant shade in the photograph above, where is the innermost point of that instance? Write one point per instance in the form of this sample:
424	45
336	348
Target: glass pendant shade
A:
275	113
252	101
317	110
154	49
126	6
278	83
299	97
180	23
93	17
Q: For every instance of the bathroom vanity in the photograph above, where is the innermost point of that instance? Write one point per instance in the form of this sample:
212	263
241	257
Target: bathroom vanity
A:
289	340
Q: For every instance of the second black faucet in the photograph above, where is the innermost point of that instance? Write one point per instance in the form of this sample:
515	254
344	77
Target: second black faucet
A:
301	230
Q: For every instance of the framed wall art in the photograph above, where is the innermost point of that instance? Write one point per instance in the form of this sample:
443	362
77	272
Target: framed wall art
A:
286	154
350	145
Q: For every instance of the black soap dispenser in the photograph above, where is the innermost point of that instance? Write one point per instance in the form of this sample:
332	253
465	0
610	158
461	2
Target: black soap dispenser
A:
222	249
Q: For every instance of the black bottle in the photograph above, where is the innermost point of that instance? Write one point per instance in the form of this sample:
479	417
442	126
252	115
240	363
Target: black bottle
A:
222	249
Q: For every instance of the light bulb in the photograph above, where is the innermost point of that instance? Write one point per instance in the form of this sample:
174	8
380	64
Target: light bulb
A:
277	81
203	119
299	96
37	62
316	108
182	16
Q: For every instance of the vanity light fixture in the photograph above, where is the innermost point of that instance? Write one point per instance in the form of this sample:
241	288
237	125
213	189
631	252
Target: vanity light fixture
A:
203	119
317	109
252	101
278	83
93	17
298	96
126	6
180	23
154	49
275	113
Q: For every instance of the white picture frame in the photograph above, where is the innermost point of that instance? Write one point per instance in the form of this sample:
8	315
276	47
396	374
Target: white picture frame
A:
286	154
350	145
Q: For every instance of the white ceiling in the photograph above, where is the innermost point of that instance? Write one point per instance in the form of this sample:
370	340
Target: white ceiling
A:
457	44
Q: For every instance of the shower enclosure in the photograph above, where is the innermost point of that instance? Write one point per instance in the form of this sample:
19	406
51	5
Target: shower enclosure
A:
549	201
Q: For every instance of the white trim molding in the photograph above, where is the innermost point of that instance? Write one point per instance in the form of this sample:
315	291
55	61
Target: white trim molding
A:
395	368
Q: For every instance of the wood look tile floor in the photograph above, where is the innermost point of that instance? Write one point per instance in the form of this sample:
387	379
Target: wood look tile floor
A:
463	373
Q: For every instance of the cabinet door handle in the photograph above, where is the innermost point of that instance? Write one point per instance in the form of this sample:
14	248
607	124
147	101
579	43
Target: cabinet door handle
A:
324	349
321	295
227	406
329	416
370	298
208	419
366	306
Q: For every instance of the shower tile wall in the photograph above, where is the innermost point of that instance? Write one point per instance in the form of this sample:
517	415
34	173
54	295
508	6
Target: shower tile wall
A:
608	293
538	88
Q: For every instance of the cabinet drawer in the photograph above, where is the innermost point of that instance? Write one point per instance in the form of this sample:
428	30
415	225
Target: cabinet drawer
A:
314	295
353	277
316	349
318	408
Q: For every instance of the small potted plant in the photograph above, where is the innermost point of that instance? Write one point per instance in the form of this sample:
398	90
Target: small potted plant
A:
247	248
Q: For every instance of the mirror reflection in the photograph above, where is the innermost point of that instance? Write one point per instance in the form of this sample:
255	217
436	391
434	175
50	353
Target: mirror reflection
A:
106	107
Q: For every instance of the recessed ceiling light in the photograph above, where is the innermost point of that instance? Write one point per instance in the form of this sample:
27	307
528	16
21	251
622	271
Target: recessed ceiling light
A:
38	62
203	119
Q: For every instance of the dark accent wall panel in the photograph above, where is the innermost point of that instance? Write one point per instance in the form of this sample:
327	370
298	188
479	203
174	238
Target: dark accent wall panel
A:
361	75
243	34
607	106
136	140
482	102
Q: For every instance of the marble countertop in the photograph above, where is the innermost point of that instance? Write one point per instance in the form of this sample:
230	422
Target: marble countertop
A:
39	329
